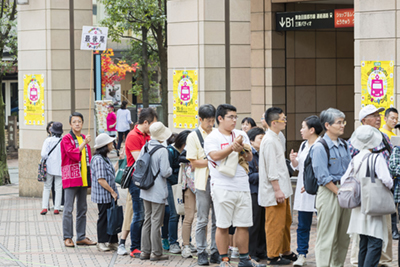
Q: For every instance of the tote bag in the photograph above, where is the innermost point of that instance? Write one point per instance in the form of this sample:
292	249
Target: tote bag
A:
376	198
229	165
178	194
115	218
121	169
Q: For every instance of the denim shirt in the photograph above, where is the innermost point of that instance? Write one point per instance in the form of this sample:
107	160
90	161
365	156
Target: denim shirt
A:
339	161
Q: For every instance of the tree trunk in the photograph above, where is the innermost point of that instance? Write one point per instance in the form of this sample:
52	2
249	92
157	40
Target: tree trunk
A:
4	175
145	69
164	83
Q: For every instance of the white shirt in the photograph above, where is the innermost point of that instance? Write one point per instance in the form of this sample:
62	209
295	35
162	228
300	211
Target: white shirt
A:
303	201
272	167
54	160
282	138
123	120
216	141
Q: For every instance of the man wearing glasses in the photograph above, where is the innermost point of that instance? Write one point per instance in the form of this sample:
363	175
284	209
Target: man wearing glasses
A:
281	136
230	191
275	189
332	238
369	115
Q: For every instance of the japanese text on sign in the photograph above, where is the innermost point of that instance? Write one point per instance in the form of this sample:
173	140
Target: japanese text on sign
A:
344	18
94	38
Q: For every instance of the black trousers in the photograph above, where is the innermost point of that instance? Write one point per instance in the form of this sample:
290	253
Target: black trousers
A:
257	238
121	138
102	236
370	251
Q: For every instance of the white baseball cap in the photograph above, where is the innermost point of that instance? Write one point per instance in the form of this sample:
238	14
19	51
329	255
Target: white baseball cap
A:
102	139
368	110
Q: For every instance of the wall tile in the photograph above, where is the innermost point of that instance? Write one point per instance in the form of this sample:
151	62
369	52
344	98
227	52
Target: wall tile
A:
290	42
176	36
291	126
290	99
257	95
304	44
345	98
257	41
372	5
214	32
278	95
257	77
175	8
326	44
240	10
326	72
240	79
257	5
214	10
375	49
305	99
345	72
345	44
240	33
290	71
257	58
326	97
305	72
375	25
183	56
257	21
242	101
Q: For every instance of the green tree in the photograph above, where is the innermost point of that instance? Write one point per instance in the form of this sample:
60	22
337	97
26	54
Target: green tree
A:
8	44
146	21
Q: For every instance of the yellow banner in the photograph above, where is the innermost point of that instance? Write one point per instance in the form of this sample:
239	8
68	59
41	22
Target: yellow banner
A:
34	99
185	90
377	84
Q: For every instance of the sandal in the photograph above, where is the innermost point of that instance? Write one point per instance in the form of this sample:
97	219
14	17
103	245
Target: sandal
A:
279	261
291	257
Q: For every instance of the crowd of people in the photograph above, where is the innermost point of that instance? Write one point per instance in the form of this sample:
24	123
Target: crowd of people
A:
239	177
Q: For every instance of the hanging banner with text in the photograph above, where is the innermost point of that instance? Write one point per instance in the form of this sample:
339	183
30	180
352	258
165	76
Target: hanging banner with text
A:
321	19
185	105
94	38
34	99
377	84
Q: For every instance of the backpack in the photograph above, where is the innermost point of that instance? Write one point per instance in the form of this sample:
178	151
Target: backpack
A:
310	182
173	157
143	177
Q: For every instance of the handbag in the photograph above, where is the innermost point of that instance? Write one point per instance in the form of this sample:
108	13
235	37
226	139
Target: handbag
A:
178	194
115	218
42	168
229	164
121	169
349	194
376	198
126	177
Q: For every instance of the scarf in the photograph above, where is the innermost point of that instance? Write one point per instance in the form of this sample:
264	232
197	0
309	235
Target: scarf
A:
88	178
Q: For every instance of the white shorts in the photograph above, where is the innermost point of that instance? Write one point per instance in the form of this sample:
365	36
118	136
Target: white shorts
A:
232	208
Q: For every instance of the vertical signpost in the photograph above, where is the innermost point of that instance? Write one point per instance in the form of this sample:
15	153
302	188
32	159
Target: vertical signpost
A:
93	39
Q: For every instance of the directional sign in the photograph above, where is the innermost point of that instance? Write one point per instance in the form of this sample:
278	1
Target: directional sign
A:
289	21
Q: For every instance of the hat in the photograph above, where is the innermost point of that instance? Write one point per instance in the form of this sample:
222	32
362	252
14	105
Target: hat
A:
102	139
368	110
56	128
159	132
366	137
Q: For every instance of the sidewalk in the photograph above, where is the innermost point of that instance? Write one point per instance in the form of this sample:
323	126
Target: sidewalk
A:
30	239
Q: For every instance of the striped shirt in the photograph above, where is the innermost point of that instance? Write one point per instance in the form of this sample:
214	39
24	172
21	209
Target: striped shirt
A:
101	168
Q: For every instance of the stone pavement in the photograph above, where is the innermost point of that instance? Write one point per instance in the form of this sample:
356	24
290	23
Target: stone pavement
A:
30	239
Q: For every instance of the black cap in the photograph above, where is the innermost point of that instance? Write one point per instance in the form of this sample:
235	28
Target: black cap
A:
56	128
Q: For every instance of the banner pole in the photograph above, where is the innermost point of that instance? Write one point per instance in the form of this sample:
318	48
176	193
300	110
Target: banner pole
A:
90	91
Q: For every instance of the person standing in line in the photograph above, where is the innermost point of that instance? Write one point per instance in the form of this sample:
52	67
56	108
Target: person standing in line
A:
281	136
231	195
372	230
154	198
124	123
197	157
104	190
274	190
53	168
135	140
111	125
304	203
75	161
174	150
247	124
333	221
257	244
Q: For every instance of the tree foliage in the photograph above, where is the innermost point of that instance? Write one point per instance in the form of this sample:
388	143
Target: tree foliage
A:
144	23
9	45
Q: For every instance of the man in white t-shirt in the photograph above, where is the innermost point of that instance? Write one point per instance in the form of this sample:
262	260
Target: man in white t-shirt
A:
231	195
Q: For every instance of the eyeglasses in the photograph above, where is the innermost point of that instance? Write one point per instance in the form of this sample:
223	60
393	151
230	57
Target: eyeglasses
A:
284	119
232	117
341	123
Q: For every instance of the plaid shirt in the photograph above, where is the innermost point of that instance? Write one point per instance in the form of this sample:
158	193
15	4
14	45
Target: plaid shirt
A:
385	153
394	168
102	168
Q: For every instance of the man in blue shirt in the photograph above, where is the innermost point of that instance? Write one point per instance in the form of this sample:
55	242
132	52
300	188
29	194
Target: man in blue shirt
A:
333	221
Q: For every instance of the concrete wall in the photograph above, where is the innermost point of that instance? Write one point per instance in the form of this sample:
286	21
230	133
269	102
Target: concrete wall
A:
43	48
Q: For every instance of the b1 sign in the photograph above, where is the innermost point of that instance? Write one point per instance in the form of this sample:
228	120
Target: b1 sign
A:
94	38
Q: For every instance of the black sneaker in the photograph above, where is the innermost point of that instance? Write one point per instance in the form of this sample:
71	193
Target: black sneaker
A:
202	259
292	257
214	258
257	259
278	261
248	262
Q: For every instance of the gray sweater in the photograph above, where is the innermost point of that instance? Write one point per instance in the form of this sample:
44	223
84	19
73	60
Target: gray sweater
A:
158	193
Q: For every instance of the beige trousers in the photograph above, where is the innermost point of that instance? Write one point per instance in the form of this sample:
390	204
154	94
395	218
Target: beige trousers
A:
190	210
126	226
332	238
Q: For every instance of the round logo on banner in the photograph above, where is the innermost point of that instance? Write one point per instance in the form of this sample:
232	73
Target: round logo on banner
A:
185	90
33	92
377	85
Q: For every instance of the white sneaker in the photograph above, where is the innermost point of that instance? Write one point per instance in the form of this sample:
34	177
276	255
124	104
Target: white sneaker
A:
174	249
301	260
186	252
122	250
102	247
193	249
235	253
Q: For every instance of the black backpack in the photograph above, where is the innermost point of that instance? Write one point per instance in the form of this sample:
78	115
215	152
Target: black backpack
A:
143	177
310	182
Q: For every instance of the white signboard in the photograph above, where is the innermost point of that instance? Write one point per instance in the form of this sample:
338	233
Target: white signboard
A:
94	38
113	93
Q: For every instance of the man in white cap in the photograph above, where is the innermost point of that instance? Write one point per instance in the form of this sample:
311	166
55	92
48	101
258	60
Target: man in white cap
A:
369	115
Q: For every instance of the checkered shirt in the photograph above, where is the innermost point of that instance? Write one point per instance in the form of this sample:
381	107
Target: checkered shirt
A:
102	168
394	168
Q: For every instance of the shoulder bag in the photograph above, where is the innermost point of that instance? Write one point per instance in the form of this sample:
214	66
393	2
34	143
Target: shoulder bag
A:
42	169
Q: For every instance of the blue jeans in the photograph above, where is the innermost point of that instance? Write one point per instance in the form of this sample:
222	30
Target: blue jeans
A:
138	216
370	251
164	228
173	218
303	231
